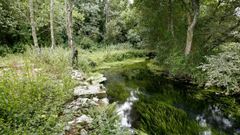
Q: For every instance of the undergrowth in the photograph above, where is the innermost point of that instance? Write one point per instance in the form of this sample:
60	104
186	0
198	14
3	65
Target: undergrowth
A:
34	88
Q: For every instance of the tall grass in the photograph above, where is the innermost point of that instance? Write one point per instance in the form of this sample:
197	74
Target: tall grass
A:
33	89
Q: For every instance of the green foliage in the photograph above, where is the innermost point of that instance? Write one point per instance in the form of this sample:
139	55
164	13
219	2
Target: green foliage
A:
33	92
97	58
118	92
113	33
4	50
222	70
91	24
87	43
107	122
122	24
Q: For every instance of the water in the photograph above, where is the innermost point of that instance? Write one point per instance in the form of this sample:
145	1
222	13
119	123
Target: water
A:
124	110
158	105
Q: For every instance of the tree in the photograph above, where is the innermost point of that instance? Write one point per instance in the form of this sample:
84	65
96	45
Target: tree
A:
192	8
51	22
33	25
69	9
106	9
170	20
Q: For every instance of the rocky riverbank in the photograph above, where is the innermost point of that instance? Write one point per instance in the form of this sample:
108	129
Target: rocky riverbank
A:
89	92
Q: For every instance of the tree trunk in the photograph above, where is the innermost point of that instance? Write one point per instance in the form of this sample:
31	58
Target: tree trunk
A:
69	8
33	25
191	25
170	23
51	23
106	9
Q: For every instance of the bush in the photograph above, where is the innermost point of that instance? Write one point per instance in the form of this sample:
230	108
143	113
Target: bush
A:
223	70
87	43
133	37
4	50
33	90
30	103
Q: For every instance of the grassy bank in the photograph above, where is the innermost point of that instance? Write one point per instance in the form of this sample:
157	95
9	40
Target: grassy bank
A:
34	87
33	90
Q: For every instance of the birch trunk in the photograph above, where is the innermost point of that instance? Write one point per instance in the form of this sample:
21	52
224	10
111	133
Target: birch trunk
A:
69	8
51	23
106	13
33	25
192	21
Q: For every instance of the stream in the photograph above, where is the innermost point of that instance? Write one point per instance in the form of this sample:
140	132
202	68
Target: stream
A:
156	105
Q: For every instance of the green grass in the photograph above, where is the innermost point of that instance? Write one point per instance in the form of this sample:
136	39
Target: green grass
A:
34	87
108	57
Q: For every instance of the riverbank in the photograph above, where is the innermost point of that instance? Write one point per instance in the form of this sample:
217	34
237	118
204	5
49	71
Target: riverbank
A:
165	105
38	90
59	99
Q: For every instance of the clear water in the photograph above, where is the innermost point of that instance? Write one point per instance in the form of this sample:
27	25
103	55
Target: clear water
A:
171	107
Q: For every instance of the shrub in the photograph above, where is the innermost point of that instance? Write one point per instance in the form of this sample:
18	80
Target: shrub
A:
4	50
33	89
87	43
223	70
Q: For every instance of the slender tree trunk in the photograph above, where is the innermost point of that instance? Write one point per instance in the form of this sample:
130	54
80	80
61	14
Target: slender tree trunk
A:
106	9
170	23
33	25
192	21
51	23
69	8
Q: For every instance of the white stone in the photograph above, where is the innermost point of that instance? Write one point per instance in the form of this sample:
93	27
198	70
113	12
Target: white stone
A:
83	132
93	103
67	128
93	90
84	119
95	99
96	79
104	101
